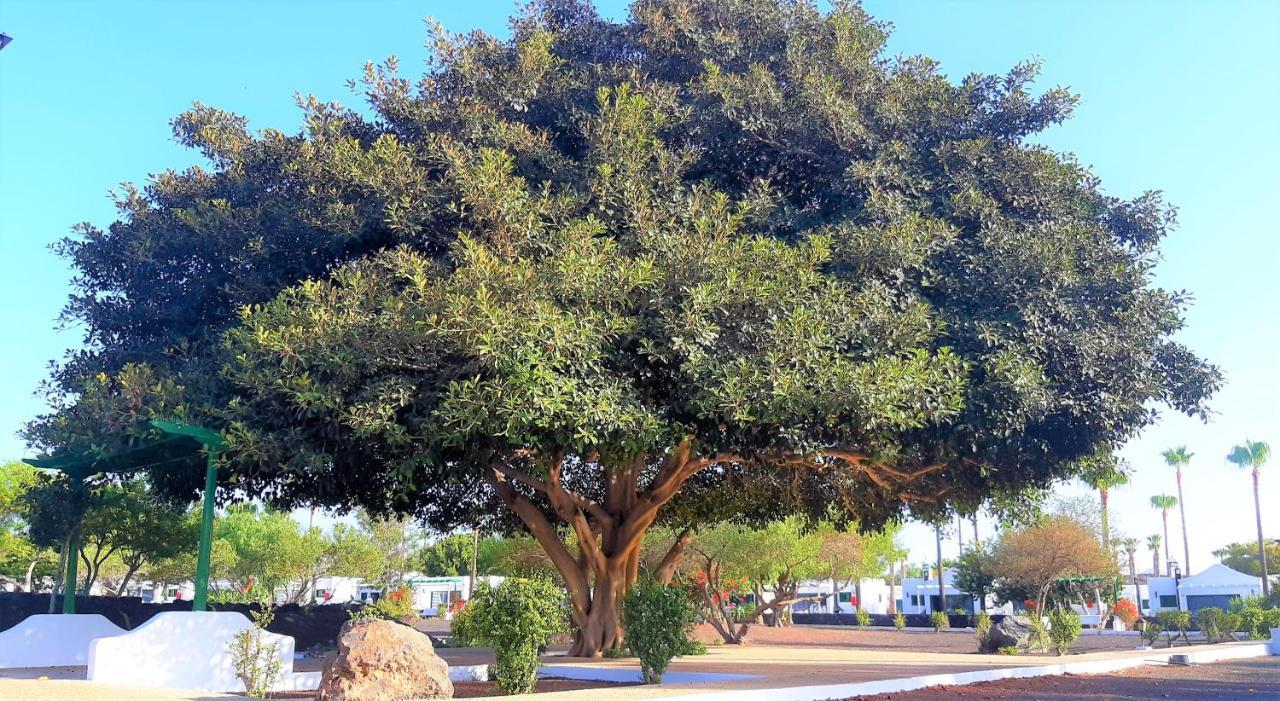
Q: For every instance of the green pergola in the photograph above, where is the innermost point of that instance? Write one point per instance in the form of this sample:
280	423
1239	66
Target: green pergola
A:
181	443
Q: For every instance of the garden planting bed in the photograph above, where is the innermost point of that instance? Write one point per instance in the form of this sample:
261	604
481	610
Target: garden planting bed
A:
948	641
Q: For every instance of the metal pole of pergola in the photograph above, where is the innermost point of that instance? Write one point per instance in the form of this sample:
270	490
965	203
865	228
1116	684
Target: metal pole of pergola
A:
188	440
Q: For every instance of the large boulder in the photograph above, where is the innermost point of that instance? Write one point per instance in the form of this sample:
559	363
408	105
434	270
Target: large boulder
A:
384	661
1011	631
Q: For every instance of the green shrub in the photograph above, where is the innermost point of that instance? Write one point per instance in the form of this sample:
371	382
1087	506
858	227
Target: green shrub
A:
864	618
614	653
1254	618
1211	620
656	618
1150	631
518	619
397	605
982	631
1008	650
1038	639
256	663
1175	620
940	620
1064	629
693	648
899	621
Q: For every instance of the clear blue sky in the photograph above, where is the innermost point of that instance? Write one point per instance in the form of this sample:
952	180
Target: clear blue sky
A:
1179	96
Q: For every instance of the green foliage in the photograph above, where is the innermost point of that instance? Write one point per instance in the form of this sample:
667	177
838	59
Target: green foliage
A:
451	555
693	648
1254	617
1038	639
864	618
899	621
617	653
982	631
1150	631
1064	629
975	571
1008	650
518	619
744	237
1172	620
256	662
1243	557
939	620
656	618
1216	623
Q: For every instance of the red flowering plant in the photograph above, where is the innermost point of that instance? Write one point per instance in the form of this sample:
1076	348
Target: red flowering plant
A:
1127	612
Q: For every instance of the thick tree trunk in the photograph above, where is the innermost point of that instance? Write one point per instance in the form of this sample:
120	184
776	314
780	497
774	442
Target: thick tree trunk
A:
1262	548
1182	511
609	533
31	568
671	561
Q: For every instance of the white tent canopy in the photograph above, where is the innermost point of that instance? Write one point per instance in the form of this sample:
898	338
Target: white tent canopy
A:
1220	577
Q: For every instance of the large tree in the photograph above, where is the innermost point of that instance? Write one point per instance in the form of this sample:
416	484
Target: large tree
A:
1055	551
600	272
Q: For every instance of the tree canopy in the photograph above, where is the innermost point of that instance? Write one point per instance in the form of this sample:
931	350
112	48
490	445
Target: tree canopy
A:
580	273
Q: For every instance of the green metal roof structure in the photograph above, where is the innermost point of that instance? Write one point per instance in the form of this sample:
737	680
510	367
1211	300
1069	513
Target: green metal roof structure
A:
182	443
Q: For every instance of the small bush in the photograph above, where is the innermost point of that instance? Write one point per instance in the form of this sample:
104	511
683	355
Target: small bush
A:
256	663
614	653
693	648
1175	620
1038	639
1210	621
1008	650
518	619
1064	629
1127	612
940	620
1253	618
899	621
982	631
864	618
656	617
397	605
1151	632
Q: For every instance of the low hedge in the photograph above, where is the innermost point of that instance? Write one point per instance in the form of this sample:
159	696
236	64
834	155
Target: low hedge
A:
914	620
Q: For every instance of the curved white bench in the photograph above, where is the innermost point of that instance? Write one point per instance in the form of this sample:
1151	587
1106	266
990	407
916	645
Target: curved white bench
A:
182	649
54	639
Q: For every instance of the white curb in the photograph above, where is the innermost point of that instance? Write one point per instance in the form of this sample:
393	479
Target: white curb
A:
889	686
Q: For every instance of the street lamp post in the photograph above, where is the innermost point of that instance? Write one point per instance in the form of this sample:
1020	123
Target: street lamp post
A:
1177	583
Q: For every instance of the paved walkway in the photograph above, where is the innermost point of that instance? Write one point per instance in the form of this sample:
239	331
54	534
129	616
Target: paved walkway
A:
769	667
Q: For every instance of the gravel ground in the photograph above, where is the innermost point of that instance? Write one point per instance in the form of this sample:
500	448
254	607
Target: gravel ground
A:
1253	679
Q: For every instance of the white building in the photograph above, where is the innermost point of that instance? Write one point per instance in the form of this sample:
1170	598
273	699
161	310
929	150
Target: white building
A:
875	597
920	595
1216	586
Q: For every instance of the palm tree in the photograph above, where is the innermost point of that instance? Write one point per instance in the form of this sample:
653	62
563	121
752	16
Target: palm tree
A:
1164	502
1104	481
1178	458
1130	547
1153	543
1251	456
